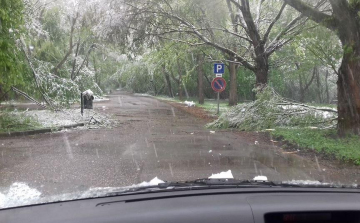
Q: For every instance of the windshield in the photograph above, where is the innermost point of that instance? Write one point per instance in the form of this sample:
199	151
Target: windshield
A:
100	96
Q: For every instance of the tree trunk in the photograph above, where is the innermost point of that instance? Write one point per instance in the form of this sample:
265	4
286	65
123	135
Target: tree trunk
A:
1	90
319	88
344	22
180	80
72	76
186	92
71	46
3	95
155	89
97	78
168	82
348	90
304	86
301	92
348	84
180	88
327	87
261	72
233	83
200	79
302	95
207	79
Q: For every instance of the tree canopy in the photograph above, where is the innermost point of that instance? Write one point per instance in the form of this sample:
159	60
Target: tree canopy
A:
11	21
306	50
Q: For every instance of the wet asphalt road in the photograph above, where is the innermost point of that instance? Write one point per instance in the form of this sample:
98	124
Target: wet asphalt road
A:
152	139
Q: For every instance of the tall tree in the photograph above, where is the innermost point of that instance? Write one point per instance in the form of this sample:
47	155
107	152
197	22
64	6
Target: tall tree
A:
10	21
304	85
200	61
247	34
344	21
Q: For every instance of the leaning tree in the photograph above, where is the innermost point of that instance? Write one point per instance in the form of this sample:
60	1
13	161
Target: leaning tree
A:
344	20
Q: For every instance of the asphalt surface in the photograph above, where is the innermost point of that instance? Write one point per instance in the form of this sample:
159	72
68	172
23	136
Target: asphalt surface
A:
152	139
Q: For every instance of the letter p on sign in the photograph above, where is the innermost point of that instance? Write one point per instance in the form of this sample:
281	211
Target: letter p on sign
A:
219	68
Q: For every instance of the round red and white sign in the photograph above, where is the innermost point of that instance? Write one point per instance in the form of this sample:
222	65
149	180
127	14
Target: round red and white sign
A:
218	84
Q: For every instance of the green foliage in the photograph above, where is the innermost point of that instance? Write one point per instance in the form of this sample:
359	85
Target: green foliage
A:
11	122
48	51
348	49
150	58
324	141
51	24
10	61
354	4
246	82
62	90
314	48
133	76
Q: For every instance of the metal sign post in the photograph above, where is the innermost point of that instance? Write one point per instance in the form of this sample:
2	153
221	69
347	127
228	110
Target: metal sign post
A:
218	101
218	85
82	104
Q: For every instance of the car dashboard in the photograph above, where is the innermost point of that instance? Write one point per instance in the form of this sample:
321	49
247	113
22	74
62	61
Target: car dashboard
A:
259	205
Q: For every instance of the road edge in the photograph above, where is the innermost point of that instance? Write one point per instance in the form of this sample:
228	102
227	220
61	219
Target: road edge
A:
41	131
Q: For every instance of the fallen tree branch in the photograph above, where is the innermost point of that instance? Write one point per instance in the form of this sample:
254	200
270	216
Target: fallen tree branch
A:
46	98
270	110
28	97
307	106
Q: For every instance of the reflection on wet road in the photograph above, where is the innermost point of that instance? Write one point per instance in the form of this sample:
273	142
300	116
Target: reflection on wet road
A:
152	139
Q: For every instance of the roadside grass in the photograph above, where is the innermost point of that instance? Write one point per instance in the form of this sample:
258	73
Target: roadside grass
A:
210	105
10	122
323	141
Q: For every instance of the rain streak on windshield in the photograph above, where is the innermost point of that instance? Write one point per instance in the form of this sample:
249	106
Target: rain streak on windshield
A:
100	96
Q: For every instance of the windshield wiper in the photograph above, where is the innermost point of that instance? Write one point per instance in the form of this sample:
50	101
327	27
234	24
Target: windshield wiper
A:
217	183
196	184
221	183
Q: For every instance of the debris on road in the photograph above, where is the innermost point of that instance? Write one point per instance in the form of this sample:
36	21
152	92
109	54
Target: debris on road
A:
100	99
153	182
260	178
222	175
19	193
290	152
189	103
270	130
143	95
212	132
53	119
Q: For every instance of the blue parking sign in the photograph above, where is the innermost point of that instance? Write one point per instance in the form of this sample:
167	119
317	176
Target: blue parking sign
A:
219	68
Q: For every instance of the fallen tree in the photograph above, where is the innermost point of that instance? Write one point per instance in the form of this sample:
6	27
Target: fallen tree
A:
27	97
271	110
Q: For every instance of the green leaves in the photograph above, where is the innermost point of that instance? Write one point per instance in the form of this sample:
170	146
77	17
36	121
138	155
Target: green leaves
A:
10	61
